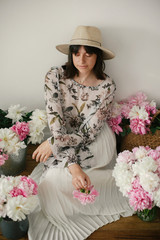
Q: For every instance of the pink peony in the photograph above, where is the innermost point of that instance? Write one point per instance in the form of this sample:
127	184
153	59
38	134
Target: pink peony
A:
114	124
138	126
21	129
139	99
139	199
86	195
154	154
125	110
18	191
158	148
150	109
29	185
3	158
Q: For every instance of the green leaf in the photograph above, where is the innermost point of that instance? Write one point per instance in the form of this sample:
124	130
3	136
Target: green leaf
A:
4	121
27	117
153	130
82	190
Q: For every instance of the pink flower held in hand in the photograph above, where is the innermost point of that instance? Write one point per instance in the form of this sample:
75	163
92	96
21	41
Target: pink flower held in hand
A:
86	195
21	129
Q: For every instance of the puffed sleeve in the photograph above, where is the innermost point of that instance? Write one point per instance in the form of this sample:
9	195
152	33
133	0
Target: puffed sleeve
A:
61	141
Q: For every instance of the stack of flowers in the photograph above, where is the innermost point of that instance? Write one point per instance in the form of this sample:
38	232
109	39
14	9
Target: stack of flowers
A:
19	128
86	195
137	174
18	197
133	115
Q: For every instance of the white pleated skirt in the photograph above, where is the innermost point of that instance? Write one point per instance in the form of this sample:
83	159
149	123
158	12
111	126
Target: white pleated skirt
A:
61	217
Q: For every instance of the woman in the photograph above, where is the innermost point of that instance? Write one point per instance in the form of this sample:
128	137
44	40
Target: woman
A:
82	148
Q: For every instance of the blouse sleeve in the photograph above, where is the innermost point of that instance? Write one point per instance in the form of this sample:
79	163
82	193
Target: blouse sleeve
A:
60	140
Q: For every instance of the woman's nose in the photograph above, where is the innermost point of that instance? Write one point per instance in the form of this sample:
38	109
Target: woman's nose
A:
82	58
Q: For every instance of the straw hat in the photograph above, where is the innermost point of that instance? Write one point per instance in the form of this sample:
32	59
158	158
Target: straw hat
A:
86	36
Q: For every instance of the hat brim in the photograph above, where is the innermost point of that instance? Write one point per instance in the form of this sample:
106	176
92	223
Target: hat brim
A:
107	54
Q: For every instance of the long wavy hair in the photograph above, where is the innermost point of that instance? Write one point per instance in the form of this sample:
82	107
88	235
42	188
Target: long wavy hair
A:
71	71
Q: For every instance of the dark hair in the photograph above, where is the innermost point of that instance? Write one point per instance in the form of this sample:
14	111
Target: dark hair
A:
71	71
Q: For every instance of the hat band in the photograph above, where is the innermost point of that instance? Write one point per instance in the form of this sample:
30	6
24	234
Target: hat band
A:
86	41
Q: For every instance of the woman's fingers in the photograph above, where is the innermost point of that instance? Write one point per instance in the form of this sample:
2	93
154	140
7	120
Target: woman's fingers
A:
43	152
88	181
81	182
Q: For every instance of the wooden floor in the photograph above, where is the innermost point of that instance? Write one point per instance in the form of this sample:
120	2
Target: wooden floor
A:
131	228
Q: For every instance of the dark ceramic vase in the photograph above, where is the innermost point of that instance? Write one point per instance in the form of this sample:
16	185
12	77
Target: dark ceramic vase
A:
15	164
14	229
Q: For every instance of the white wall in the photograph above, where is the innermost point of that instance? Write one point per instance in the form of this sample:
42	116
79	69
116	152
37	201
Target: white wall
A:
30	29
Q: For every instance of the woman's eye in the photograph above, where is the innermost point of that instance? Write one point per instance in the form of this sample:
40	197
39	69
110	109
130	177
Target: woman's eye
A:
88	54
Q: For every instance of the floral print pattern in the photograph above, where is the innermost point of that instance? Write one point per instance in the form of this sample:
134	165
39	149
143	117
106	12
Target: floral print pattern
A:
76	114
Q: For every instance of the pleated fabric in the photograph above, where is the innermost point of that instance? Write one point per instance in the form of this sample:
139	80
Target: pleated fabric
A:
61	217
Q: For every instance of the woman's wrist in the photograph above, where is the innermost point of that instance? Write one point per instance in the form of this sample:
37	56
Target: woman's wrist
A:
74	169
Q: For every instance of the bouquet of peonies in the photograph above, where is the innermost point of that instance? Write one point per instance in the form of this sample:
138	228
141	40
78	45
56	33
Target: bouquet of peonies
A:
137	174
86	195
133	115
18	197
19	128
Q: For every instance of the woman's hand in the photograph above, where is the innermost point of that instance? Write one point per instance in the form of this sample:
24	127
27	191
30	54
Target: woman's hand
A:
43	152
79	178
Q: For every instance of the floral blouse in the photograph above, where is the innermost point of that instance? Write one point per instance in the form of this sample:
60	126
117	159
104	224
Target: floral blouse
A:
76	114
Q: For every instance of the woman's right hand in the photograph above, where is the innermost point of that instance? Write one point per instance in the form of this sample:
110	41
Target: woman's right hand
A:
43	152
79	178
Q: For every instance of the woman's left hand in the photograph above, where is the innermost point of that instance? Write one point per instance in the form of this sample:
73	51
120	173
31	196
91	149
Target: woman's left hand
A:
79	178
43	152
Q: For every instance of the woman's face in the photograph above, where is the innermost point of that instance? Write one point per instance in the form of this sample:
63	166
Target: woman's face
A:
83	61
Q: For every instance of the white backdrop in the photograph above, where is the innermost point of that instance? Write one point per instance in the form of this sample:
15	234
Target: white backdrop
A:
30	29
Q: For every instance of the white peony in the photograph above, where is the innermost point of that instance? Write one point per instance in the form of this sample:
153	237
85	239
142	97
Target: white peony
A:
36	133
123	177
6	136
5	185
39	117
10	142
147	164
149	181
15	112
140	152
18	207
153	103
138	112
